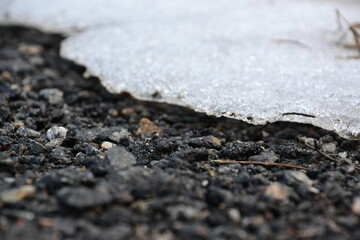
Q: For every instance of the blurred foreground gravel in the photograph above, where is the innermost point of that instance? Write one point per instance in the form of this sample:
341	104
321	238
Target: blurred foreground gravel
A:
77	162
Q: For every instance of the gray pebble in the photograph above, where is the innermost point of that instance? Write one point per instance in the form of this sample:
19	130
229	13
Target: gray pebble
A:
36	148
56	133
6	161
59	156
91	150
116	136
27	132
52	95
82	197
264	156
119	158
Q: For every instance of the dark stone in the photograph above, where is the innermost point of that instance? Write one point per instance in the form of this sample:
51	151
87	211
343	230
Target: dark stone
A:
240	150
36	148
81	198
215	196
59	156
55	180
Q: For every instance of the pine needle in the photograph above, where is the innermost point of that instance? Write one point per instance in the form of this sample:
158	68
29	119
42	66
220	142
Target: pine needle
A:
271	164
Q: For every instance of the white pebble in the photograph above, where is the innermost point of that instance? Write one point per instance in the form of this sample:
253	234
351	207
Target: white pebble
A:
107	145
56	133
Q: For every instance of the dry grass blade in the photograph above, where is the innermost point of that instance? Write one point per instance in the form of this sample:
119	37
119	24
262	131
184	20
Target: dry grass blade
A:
3	148
354	29
271	164
299	114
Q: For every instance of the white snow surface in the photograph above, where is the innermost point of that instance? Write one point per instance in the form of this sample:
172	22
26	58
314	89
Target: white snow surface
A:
255	60
69	16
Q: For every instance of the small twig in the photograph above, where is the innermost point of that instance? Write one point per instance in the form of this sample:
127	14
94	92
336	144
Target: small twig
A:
299	114
316	148
260	163
353	28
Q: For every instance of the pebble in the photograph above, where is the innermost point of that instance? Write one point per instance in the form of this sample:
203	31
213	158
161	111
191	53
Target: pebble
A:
350	169
119	158
119	232
18	124
52	95
344	158
329	147
30	49
91	150
37	61
99	135
57	179
264	156
81	197
313	190
56	133
204	183
6	161
277	191
147	128
187	212
107	145
59	156
5	75
18	194
239	149
27	132
36	148
207	142
301	177
349	221
117	136
9	180
127	111
216	196
53	143
355	207
342	154
308	141
113	112
234	215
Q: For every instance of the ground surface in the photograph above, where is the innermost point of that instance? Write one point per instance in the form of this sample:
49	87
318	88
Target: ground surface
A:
159	180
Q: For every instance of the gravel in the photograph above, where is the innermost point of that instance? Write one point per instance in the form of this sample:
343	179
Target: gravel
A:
94	165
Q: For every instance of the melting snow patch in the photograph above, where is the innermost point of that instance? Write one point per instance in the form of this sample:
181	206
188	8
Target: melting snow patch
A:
255	60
